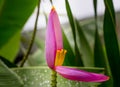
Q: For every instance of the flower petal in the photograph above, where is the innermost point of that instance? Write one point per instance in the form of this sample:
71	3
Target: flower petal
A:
50	42
80	75
57	29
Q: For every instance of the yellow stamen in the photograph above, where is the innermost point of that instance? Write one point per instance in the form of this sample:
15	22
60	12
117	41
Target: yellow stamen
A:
60	56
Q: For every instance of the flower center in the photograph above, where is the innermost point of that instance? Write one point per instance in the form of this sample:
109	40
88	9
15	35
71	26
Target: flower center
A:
60	56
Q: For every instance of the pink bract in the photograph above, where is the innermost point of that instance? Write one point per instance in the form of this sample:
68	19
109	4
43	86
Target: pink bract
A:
80	75
53	38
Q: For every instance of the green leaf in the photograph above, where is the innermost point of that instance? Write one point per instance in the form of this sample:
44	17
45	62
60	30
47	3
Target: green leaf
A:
111	42
78	58
6	62
99	56
8	78
70	57
71	19
85	49
10	49
13	16
1	4
95	7
41	77
101	60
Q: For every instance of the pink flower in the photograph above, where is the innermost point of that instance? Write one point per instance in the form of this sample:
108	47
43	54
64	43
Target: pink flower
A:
55	54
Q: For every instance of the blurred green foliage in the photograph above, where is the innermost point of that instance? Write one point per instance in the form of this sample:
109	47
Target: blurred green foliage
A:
13	16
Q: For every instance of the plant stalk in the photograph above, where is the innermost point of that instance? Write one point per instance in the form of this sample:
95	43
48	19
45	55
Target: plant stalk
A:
33	37
54	79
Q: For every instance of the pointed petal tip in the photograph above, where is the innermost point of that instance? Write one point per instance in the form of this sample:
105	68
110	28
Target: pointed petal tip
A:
107	78
101	78
53	8
80	75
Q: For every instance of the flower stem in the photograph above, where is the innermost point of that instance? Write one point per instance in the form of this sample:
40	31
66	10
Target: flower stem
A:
33	37
53	79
